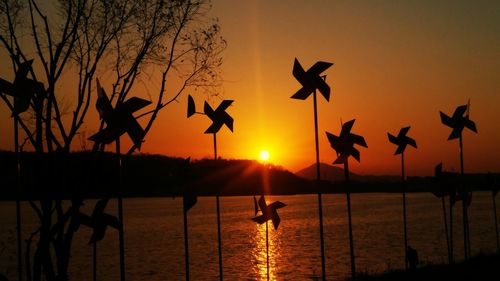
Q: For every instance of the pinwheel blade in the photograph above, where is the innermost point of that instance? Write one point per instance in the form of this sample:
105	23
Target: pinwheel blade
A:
319	67
460	111
347	127
134	104
190	200
411	142
6	87
446	120
191	110
277	205
275	218
256	206
260	219
471	125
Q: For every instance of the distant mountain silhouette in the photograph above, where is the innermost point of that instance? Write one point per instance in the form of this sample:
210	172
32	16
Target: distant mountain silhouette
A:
334	174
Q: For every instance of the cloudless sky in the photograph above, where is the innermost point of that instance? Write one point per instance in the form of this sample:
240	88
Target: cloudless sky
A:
396	64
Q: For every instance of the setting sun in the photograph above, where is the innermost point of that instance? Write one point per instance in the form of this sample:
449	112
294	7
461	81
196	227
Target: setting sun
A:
264	155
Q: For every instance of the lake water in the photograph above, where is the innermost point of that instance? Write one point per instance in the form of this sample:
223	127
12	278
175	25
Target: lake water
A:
155	242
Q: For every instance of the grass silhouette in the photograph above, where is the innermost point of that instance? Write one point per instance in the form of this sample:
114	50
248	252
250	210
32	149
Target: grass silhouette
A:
480	267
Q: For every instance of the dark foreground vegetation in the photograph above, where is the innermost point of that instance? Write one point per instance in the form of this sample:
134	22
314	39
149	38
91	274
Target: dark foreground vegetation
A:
95	175
481	267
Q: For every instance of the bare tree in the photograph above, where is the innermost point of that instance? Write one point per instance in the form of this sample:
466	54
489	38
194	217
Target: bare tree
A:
77	40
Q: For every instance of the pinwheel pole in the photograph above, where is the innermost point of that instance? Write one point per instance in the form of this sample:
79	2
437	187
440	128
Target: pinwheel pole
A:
458	122
267	237
219	239
268	213
186	241
318	182
403	181
311	81
344	147
442	192
402	141
119	120
464	203
94	263
493	196
349	215
121	232
18	199
219	118
186	205
452	199
98	221
22	90
450	258
267	249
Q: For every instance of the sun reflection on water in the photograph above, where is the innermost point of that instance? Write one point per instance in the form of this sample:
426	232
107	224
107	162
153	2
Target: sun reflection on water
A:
259	252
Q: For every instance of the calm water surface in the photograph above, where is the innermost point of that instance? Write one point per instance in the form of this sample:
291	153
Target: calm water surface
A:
155	242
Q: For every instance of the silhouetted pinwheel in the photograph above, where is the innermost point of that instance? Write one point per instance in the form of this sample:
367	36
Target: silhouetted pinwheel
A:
268	213
119	120
219	117
402	141
99	222
344	146
23	90
311	80
458	122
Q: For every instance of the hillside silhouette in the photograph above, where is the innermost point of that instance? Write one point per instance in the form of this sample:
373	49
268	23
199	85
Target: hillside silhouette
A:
94	175
89	175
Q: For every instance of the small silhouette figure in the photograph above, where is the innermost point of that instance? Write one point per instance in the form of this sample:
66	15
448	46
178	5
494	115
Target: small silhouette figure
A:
412	258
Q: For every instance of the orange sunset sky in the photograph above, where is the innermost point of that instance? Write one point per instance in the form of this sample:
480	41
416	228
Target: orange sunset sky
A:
396	64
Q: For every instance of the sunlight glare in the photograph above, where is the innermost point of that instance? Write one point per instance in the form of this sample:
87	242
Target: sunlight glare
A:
264	155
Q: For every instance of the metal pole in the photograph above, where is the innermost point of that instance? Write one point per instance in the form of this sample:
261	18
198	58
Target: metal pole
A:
18	200
215	146
120	212
186	248
219	239
446	230
464	201
351	240
404	208
94	265
267	250
496	222
451	226
318	183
